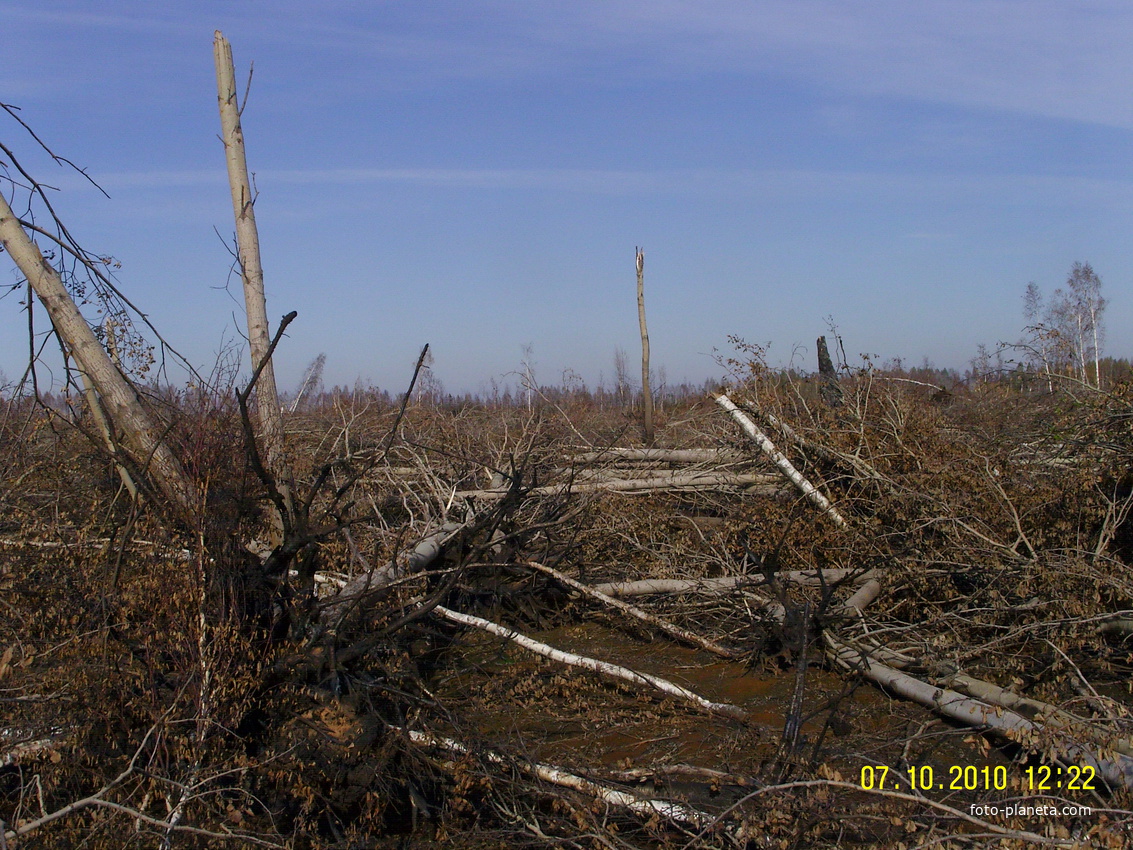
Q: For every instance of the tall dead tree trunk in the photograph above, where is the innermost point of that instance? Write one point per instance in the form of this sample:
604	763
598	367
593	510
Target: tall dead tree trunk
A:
141	434
646	393
269	414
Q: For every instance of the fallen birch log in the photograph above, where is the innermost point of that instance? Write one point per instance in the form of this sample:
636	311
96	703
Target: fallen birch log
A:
643	774
766	484
1115	771
862	597
423	554
25	750
645	807
1050	716
644	472
659	456
1120	626
785	466
850	609
722	584
1042	715
648	586
593	664
668	628
860	467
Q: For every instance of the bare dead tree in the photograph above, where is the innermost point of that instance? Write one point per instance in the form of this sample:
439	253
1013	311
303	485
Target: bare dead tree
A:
646	394
269	415
312	379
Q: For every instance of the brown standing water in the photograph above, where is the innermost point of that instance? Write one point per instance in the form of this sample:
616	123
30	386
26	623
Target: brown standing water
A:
628	734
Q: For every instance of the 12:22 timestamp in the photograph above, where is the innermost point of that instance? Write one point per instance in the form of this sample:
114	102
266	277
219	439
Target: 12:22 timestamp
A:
972	778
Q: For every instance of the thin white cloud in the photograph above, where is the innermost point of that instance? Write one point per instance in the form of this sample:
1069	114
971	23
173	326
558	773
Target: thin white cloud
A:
1067	60
786	185
84	19
1044	57
584	180
160	179
1047	57
929	237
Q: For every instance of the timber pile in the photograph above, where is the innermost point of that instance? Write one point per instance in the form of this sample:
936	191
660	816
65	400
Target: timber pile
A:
629	470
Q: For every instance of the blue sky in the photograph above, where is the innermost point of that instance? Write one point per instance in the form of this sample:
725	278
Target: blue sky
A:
477	174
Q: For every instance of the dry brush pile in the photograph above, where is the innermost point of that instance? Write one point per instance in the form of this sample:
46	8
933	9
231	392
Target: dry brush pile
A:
507	632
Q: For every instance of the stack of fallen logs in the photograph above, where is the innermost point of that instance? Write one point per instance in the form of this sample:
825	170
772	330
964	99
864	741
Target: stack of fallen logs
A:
1038	727
624	470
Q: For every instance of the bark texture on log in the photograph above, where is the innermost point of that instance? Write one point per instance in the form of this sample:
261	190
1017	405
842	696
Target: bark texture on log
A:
781	461
668	628
141	434
767	484
658	455
424	554
831	392
645	807
1050	716
593	664
1116	770
269	414
722	584
107	433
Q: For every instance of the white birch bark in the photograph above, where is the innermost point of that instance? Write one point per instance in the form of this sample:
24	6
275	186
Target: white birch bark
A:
863	596
557	776
1097	350
676	481
1116	770
612	455
25	750
1033	716
269	415
593	664
644	616
785	466
1051	716
107	433
723	584
1118	626
423	554
142	436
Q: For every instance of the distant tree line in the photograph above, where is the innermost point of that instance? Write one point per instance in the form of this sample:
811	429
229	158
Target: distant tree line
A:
1063	338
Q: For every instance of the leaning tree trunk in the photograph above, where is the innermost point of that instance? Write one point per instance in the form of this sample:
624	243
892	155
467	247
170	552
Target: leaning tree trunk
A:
268	412
646	393
142	436
781	461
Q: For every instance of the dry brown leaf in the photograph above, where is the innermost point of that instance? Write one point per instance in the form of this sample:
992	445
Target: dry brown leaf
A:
6	661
